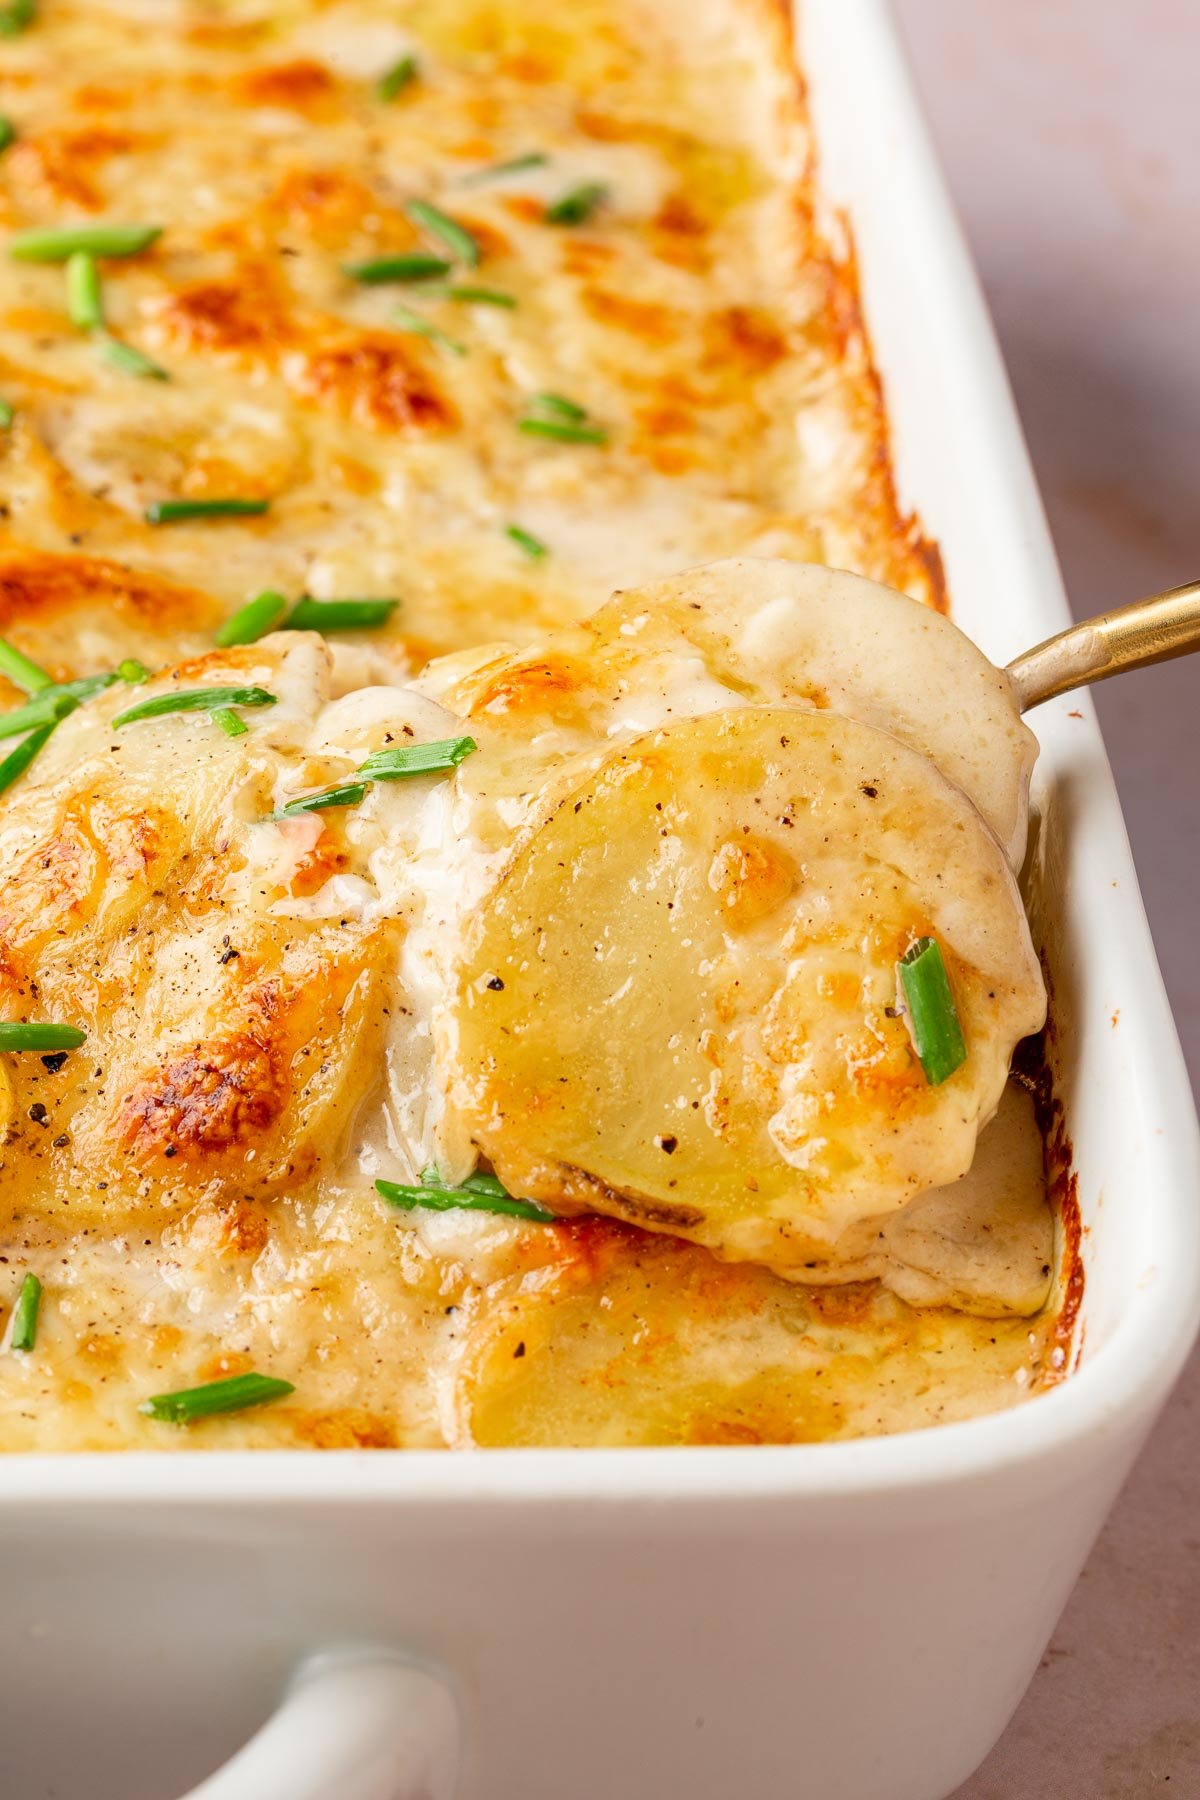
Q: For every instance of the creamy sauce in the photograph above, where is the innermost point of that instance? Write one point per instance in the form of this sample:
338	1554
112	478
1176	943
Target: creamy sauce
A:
265	1000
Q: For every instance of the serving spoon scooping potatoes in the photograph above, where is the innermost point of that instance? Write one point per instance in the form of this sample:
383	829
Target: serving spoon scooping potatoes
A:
678	1001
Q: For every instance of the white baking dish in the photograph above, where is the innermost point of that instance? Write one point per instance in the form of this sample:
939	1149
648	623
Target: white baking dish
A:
845	1621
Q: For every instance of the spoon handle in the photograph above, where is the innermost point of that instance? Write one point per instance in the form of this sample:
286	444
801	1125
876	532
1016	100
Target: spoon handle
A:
1151	630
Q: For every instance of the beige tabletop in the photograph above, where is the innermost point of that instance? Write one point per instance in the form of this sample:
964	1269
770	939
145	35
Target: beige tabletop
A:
1070	132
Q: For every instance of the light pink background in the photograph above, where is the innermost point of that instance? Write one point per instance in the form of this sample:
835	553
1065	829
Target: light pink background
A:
1070	133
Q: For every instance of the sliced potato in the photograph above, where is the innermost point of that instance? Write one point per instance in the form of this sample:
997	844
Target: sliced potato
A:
985	1244
640	1341
678	1003
230	1043
801	633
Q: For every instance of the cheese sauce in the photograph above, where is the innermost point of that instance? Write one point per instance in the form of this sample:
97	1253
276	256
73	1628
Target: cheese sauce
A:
195	1187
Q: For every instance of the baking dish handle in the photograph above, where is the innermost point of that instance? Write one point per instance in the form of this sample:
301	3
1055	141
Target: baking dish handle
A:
353	1725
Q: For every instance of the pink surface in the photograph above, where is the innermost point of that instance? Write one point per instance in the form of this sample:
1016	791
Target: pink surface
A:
1070	132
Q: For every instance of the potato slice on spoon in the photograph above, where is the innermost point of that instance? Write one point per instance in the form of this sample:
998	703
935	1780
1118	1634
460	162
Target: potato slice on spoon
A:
679	1003
749	632
800	634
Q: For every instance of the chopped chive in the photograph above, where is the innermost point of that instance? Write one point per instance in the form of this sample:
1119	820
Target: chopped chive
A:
393	764
932	1015
557	405
348	793
83	687
457	239
96	240
229	722
85	307
401	760
411	321
478	1193
554	416
413	265
17	16
565	432
169	512
132	671
577	205
253	620
40	1036
393	81
7	414
233	1394
25	1315
21	671
18	760
8	132
210	700
534	159
46	708
338	615
482	296
50	704
525	540
130	360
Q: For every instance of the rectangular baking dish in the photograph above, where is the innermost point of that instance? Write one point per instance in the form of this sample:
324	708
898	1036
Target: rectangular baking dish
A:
851	1621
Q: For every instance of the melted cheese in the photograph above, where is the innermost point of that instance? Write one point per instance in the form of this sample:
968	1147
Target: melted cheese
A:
690	315
265	1000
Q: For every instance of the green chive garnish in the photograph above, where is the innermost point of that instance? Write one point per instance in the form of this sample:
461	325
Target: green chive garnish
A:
21	671
17	16
209	700
85	308
45	710
401	760
349	793
18	760
482	296
402	74
169	512
50	704
130	360
229	722
8	132
557	405
96	240
411	321
393	764
534	159
7	414
457	239
25	1315
132	672
253	620
577	205
231	1395
41	1037
554	416
933	1017
339	615
563	431
525	540
478	1193
413	265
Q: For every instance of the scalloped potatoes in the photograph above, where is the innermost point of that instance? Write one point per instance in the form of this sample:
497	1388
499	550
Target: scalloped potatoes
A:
275	1006
678	1003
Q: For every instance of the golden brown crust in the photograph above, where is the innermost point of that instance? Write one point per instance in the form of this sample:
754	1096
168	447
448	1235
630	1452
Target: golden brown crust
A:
190	1169
372	379
37	587
222	1095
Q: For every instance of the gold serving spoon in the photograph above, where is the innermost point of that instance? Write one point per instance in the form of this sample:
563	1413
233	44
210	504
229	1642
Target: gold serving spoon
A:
1151	630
